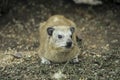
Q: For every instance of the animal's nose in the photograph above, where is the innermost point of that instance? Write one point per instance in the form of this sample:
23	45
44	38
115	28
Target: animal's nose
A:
68	44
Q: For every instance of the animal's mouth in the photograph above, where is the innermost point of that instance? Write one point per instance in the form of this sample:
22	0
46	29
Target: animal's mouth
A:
68	44
65	48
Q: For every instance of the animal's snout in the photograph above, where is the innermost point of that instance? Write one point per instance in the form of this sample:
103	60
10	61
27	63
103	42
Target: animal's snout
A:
68	44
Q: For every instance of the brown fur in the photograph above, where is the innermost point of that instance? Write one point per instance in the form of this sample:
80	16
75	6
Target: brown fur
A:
49	51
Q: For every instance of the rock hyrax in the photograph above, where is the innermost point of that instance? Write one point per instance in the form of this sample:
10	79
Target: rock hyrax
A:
58	40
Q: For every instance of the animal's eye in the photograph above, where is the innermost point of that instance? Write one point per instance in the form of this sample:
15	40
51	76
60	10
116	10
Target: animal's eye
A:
59	36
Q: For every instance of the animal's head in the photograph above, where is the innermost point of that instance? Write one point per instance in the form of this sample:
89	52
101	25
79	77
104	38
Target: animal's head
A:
59	32
61	36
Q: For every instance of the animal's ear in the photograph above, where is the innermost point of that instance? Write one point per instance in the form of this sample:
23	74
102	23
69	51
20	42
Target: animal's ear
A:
72	29
50	31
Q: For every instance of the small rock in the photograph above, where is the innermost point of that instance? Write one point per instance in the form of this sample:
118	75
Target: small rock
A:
17	55
59	76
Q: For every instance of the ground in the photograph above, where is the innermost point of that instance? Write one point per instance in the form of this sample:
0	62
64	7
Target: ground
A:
98	28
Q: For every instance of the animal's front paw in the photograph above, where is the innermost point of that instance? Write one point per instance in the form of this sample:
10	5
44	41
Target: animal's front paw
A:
75	60
45	61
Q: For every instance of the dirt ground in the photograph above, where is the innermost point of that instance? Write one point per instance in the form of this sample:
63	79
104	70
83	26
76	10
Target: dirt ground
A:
99	28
